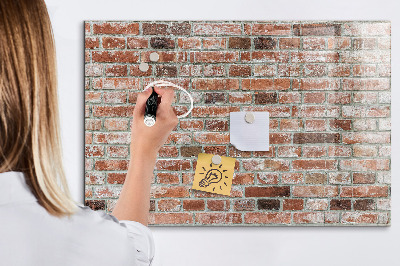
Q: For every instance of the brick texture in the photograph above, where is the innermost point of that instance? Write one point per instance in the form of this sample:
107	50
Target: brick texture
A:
326	86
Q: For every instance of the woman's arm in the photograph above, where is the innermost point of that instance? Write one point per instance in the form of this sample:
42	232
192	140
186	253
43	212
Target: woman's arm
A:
134	201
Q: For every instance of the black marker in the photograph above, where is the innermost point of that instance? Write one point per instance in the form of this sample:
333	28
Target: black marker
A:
151	109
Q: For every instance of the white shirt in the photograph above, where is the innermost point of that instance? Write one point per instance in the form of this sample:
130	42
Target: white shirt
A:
29	235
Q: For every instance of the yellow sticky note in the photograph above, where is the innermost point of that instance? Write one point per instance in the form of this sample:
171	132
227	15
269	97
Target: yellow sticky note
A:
214	178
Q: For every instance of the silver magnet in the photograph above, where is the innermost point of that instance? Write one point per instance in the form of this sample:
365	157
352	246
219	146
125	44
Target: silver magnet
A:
143	67
216	159
249	117
154	57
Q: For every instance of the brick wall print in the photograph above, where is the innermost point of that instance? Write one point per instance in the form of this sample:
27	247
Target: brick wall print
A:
326	86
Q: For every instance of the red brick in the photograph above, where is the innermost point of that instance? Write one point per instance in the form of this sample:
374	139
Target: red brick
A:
291	124
318	84
339	98
317	29
315	191
211	137
109	164
137	42
314	70
289	43
113	124
243	179
214	43
289	97
116	70
240	71
264	70
314	43
315	125
169	205
170	218
113	42
364	84
365	137
117	151
314	164
92	42
193	205
315	57
314	97
359	218
301	138
308	217
116	28
216	29
293	204
339	151
116	178
115	57
292	178
314	151
213	111
112	111
270	29
94	151
363	178
218	205
289	151
218	218
267	218
265	84
365	191
240	97
169	192
214	57
173	164
265	56
271	191
189	43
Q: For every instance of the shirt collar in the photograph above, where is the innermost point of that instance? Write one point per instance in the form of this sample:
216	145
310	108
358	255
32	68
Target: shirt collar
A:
13	188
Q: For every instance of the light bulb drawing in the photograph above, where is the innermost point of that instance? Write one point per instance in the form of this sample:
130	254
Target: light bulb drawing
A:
213	176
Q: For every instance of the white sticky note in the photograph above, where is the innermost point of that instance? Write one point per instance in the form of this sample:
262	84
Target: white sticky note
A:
249	136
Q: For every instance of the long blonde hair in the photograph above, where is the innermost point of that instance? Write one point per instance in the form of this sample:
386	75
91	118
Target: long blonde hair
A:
29	118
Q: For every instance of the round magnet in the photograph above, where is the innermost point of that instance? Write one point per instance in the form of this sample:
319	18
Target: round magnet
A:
249	117
216	159
154	57
143	67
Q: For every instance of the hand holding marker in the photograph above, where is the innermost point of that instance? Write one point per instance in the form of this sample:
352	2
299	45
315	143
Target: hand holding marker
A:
152	101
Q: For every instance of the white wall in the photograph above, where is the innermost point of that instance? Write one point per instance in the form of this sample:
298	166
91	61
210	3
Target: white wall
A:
230	246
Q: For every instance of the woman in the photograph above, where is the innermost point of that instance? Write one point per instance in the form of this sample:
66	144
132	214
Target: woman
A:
39	222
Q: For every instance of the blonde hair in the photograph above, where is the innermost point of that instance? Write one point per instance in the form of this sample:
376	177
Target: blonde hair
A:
29	118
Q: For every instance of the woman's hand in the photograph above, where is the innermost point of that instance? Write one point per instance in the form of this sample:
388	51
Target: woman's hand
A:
146	139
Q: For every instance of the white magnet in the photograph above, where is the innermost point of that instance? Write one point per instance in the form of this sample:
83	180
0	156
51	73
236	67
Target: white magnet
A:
143	67
249	117
154	57
216	159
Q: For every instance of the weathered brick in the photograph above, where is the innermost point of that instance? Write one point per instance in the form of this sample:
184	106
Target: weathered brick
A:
271	191
162	43
266	43
239	43
116	28
268	204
